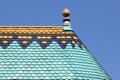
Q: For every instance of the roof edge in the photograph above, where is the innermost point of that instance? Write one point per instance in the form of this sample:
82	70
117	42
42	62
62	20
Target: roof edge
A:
30	26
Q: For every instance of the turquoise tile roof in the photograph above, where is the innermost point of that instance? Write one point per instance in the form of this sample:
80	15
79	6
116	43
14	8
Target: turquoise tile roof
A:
41	55
67	28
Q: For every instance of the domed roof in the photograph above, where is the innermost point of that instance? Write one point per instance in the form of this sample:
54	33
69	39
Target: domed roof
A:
45	52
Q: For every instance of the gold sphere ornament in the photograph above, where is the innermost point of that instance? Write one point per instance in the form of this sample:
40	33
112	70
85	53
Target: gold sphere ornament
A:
66	12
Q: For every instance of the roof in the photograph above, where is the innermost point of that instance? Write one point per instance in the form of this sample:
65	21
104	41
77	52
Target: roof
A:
45	52
44	35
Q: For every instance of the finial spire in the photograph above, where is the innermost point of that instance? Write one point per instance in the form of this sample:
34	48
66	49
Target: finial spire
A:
66	20
66	12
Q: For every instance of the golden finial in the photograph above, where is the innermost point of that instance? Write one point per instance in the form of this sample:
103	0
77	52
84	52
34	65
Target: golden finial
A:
66	12
66	19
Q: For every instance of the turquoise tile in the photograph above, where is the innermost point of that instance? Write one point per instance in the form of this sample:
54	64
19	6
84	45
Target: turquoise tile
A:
50	63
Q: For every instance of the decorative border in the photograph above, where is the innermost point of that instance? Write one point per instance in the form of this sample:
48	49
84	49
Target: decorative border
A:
24	40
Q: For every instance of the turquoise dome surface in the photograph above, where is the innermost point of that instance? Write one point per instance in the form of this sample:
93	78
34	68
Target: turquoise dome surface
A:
59	58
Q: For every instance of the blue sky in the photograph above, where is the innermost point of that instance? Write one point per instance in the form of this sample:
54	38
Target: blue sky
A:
96	22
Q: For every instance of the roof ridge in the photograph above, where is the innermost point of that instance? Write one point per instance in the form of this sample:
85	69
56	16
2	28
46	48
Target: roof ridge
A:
29	26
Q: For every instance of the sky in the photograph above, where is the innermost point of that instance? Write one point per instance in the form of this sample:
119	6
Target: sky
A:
96	22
